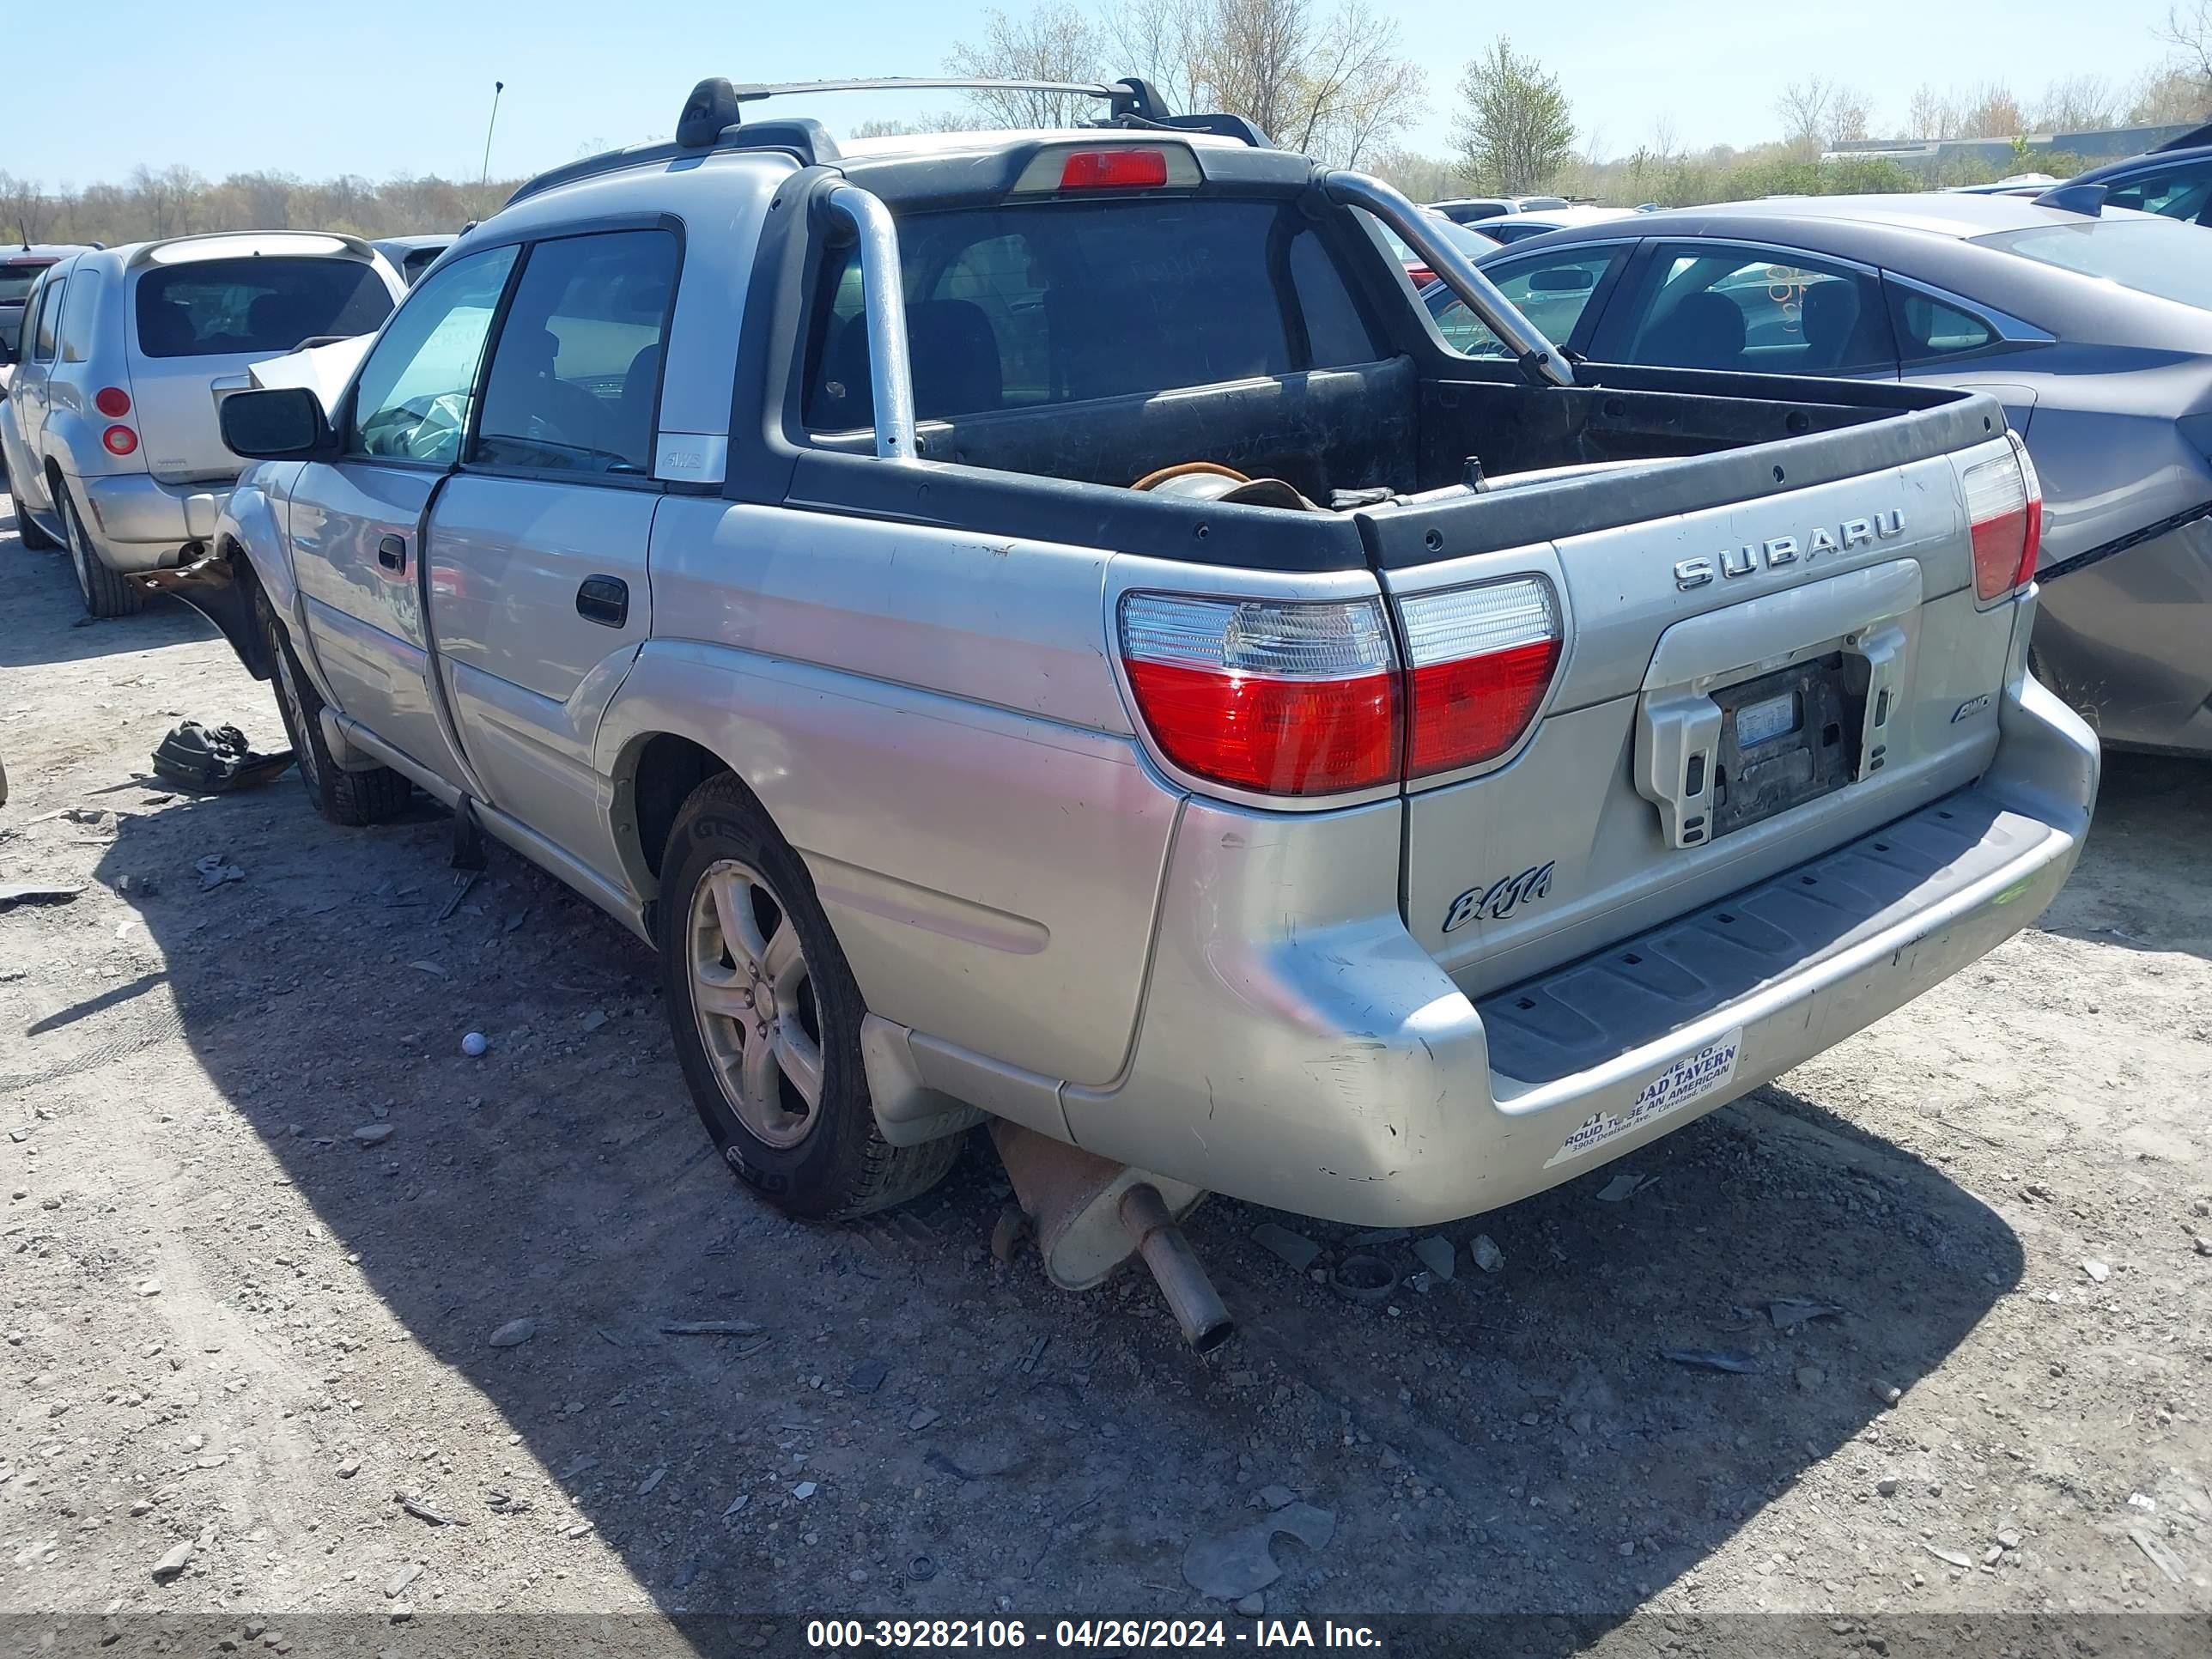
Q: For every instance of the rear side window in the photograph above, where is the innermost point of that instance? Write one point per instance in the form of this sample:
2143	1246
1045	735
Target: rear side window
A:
221	307
1019	307
77	318
47	340
1928	328
576	373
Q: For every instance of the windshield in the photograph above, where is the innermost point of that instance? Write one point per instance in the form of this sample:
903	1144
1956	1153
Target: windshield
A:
2162	257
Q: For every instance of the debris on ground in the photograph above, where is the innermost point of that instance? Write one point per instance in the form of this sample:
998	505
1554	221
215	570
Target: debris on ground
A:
868	1375
1488	1256
173	1563
1791	1312
473	1044
1273	1497
36	892
1620	1188
1956	1557
2160	1556
1293	1248
373	1134
395	1586
421	1511
514	1334
2097	1270
1230	1566
709	1327
1437	1254
215	760
215	870
1366	1280
1732	1360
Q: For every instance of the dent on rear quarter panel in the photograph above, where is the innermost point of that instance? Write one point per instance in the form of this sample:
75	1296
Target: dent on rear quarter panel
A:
931	719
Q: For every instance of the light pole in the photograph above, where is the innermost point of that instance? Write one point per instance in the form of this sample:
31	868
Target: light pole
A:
497	87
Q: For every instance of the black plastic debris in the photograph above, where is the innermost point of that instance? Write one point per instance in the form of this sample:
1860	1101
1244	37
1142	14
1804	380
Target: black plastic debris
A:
213	759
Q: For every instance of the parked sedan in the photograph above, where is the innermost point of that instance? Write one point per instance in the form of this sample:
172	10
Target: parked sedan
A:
1520	227
2092	331
2174	180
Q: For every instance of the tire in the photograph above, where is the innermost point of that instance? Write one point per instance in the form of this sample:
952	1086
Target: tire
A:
33	538
106	593
821	1159
349	798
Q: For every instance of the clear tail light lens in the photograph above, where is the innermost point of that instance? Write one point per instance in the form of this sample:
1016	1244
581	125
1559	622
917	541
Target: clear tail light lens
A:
1283	698
119	440
2004	509
1479	661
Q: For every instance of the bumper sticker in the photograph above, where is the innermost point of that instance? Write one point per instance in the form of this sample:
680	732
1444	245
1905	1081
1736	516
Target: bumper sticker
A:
1683	1081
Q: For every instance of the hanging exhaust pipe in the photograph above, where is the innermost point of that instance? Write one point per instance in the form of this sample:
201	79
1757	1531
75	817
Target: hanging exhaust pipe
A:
1091	1214
1191	1295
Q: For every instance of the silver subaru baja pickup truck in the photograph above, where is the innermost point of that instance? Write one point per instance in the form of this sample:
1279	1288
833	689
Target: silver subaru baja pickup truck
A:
1039	627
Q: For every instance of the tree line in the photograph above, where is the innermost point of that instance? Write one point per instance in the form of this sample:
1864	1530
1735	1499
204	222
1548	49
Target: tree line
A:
1332	78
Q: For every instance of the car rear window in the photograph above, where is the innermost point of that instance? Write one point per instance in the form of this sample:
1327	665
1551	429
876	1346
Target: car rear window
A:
1019	307
2152	256
221	308
16	282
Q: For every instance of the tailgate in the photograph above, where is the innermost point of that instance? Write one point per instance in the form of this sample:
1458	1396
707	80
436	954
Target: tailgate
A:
1741	689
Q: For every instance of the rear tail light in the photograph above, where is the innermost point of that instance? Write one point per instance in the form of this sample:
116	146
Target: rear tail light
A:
1113	169
1479	661
2004	509
1289	698
1281	698
1419	276
111	401
119	440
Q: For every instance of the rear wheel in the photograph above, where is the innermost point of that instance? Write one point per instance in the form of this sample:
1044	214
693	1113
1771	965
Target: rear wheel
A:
767	1015
106	593
351	798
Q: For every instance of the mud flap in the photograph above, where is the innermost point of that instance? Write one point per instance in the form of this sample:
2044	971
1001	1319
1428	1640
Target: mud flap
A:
212	586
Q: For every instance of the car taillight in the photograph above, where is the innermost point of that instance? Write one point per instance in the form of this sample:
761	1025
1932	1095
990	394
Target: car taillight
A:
1419	276
2004	510
1278	697
111	401
119	440
1479	661
1113	169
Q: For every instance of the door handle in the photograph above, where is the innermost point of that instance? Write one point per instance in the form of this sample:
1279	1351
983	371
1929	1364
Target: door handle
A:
392	553
604	600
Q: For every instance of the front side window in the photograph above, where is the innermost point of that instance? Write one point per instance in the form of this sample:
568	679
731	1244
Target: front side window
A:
45	340
412	400
1023	306
225	308
1552	291
2183	193
576	373
1754	311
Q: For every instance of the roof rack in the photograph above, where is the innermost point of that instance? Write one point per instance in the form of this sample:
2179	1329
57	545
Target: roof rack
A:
712	119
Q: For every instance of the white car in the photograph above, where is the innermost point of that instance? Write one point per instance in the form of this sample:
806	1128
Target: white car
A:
109	428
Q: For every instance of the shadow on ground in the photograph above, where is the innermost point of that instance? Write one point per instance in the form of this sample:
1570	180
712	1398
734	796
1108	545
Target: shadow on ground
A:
2153	815
1500	1442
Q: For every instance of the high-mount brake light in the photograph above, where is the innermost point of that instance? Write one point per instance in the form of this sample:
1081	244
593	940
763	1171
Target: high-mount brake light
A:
1479	661
2004	510
1280	697
1119	168
111	401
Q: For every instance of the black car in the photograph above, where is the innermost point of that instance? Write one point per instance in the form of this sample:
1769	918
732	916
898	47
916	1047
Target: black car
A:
2175	179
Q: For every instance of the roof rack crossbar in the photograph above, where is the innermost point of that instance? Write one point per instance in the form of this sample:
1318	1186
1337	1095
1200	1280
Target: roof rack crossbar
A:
753	91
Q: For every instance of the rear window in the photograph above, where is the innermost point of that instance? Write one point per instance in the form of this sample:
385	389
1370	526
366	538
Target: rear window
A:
219	307
16	282
1019	307
2162	257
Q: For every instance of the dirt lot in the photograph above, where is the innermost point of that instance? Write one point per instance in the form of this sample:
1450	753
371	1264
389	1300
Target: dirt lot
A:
231	1324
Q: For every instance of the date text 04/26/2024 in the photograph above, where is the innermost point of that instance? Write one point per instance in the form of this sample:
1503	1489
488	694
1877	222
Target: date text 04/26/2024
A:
1007	1634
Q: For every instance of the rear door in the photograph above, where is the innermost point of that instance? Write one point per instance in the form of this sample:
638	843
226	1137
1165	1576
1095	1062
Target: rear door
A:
194	320
1747	308
356	522
537	557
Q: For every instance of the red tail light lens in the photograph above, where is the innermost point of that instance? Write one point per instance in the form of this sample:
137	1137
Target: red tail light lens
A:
1419	276
119	440
2004	509
111	401
1113	169
1279	697
1479	661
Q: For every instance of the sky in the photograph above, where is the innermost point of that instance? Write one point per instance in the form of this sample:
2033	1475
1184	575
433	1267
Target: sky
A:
381	87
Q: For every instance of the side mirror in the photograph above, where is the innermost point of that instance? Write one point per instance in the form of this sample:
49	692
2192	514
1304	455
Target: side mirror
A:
284	425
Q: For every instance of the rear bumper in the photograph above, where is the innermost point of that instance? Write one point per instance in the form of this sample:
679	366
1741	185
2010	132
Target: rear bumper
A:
142	522
1321	1062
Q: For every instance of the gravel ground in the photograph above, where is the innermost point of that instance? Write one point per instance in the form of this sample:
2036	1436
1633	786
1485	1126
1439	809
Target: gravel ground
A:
286	1279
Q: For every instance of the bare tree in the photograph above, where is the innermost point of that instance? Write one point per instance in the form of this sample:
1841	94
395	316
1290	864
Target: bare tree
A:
2168	97
24	207
1850	118
2188	30
1517	130
1054	42
2078	103
1990	110
1353	90
1804	106
1932	114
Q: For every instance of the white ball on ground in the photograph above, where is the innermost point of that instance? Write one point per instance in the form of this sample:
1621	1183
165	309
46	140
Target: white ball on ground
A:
474	1044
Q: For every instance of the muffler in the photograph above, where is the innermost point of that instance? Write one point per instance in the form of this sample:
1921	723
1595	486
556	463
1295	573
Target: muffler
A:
1091	1214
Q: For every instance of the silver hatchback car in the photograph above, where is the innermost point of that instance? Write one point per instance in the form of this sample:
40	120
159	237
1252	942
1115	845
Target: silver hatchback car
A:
109	427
